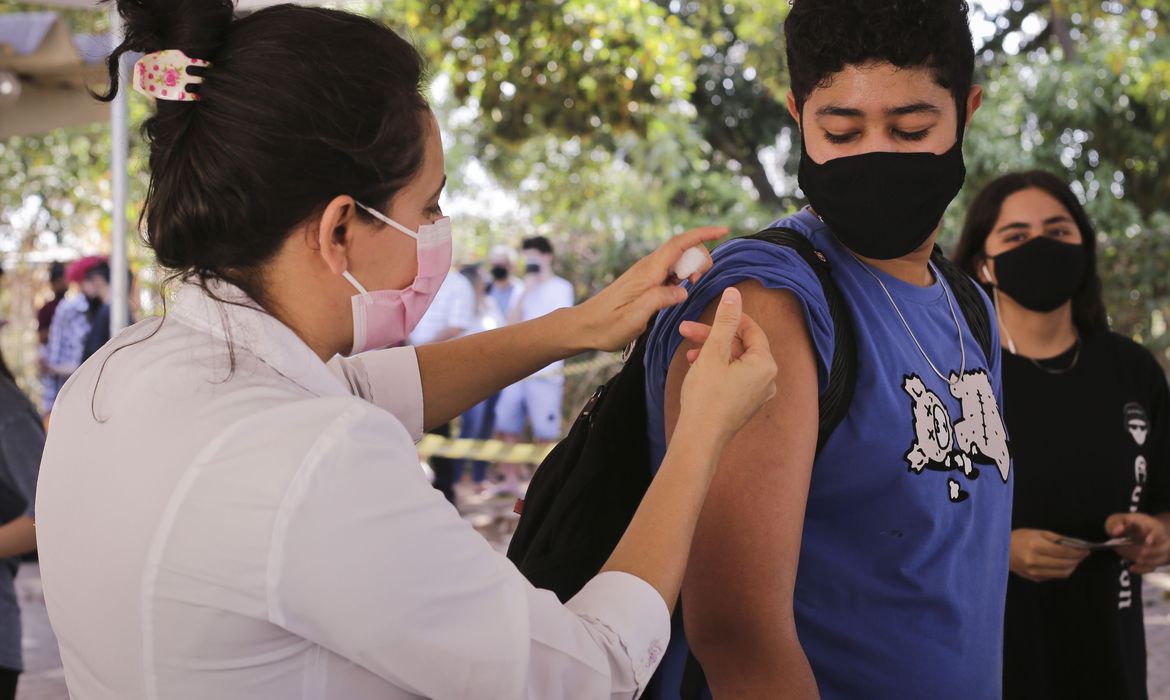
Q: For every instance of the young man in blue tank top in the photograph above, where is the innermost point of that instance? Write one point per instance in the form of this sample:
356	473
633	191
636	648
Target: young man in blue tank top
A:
877	567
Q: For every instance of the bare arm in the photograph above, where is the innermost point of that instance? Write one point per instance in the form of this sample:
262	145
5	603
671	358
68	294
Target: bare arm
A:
458	374
739	585
720	394
17	537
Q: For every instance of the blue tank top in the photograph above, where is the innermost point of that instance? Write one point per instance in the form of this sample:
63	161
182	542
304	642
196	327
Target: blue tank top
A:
904	559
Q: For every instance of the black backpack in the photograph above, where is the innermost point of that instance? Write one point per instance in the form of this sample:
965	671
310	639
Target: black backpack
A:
586	491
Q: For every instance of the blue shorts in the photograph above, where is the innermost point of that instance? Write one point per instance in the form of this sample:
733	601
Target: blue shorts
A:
536	401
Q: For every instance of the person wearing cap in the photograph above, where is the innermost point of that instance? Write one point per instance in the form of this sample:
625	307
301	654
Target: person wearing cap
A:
68	330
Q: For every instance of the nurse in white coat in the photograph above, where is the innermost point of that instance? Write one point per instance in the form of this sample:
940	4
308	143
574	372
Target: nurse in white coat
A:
228	509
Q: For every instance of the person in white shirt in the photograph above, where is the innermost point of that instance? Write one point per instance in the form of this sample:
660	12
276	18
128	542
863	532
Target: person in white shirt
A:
227	509
451	315
505	288
534	403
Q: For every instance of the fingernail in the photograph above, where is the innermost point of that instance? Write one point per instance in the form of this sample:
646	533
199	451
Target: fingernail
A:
730	295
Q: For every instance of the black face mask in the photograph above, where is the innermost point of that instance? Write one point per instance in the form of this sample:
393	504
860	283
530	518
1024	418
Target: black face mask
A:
532	268
883	205
499	273
1042	274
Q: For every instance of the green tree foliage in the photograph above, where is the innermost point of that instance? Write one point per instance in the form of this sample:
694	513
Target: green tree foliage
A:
610	124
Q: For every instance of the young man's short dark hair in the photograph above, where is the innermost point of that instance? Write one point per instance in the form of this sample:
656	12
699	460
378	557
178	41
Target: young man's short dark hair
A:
56	271
538	243
824	36
99	270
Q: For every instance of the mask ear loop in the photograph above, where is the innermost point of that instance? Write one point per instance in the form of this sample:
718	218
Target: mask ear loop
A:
386	220
357	285
999	314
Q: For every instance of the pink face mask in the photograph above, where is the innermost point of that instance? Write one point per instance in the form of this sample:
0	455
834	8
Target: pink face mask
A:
387	317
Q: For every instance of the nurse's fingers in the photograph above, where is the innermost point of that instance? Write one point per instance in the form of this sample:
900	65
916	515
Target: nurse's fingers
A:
663	260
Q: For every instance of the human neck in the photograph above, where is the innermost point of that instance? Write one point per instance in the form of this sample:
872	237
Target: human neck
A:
913	268
314	318
1036	334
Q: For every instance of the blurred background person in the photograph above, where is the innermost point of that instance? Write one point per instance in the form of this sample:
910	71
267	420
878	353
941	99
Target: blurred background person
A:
59	286
68	331
451	315
97	287
22	439
505	288
479	422
535	402
1088	412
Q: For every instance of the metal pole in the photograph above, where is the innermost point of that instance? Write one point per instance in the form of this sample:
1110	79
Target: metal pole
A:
119	155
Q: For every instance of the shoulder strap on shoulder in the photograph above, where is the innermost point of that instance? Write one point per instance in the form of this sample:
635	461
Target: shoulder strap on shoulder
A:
969	299
837	396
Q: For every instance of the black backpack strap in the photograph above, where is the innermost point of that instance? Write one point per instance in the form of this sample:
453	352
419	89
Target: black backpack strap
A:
969	299
835	399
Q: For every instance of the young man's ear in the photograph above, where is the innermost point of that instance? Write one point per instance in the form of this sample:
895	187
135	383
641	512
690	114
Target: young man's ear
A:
974	102
792	109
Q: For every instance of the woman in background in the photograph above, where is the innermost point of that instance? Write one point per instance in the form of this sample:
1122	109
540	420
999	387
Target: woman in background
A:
1088	412
22	439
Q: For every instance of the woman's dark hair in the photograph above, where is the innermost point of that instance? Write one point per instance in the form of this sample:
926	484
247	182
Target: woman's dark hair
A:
1087	305
299	106
5	372
825	36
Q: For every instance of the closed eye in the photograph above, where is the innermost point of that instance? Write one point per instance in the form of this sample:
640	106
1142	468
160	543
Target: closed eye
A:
911	135
840	138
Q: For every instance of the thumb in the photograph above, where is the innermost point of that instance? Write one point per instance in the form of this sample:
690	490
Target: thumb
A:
726	324
1116	524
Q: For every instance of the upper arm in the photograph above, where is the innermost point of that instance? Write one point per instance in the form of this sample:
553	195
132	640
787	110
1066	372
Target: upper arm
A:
389	379
413	594
742	571
22	445
410	592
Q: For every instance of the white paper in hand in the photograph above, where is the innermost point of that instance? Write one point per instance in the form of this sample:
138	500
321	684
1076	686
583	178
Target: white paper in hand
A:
691	262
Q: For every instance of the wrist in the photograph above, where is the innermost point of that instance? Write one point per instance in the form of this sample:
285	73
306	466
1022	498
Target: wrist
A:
570	331
699	436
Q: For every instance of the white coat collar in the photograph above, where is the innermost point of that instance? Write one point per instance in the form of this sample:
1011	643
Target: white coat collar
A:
235	318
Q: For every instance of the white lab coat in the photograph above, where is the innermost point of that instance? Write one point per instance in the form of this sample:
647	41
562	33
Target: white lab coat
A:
266	532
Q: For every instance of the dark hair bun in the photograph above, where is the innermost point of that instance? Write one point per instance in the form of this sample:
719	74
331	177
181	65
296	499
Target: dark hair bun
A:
300	105
196	27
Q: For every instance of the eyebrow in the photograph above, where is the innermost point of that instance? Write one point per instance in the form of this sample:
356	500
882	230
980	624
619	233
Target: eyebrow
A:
901	110
1058	219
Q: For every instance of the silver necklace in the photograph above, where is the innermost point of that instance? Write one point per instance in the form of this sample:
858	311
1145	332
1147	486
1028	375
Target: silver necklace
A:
1062	370
955	316
1012	346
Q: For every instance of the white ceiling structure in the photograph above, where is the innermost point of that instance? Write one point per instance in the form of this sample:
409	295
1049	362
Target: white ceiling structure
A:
54	68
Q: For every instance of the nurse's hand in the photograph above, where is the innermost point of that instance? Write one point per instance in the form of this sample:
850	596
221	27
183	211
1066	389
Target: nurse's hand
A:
1151	547
1036	556
732	376
621	311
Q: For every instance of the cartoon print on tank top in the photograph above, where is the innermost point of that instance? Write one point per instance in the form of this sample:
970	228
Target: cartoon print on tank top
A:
944	445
